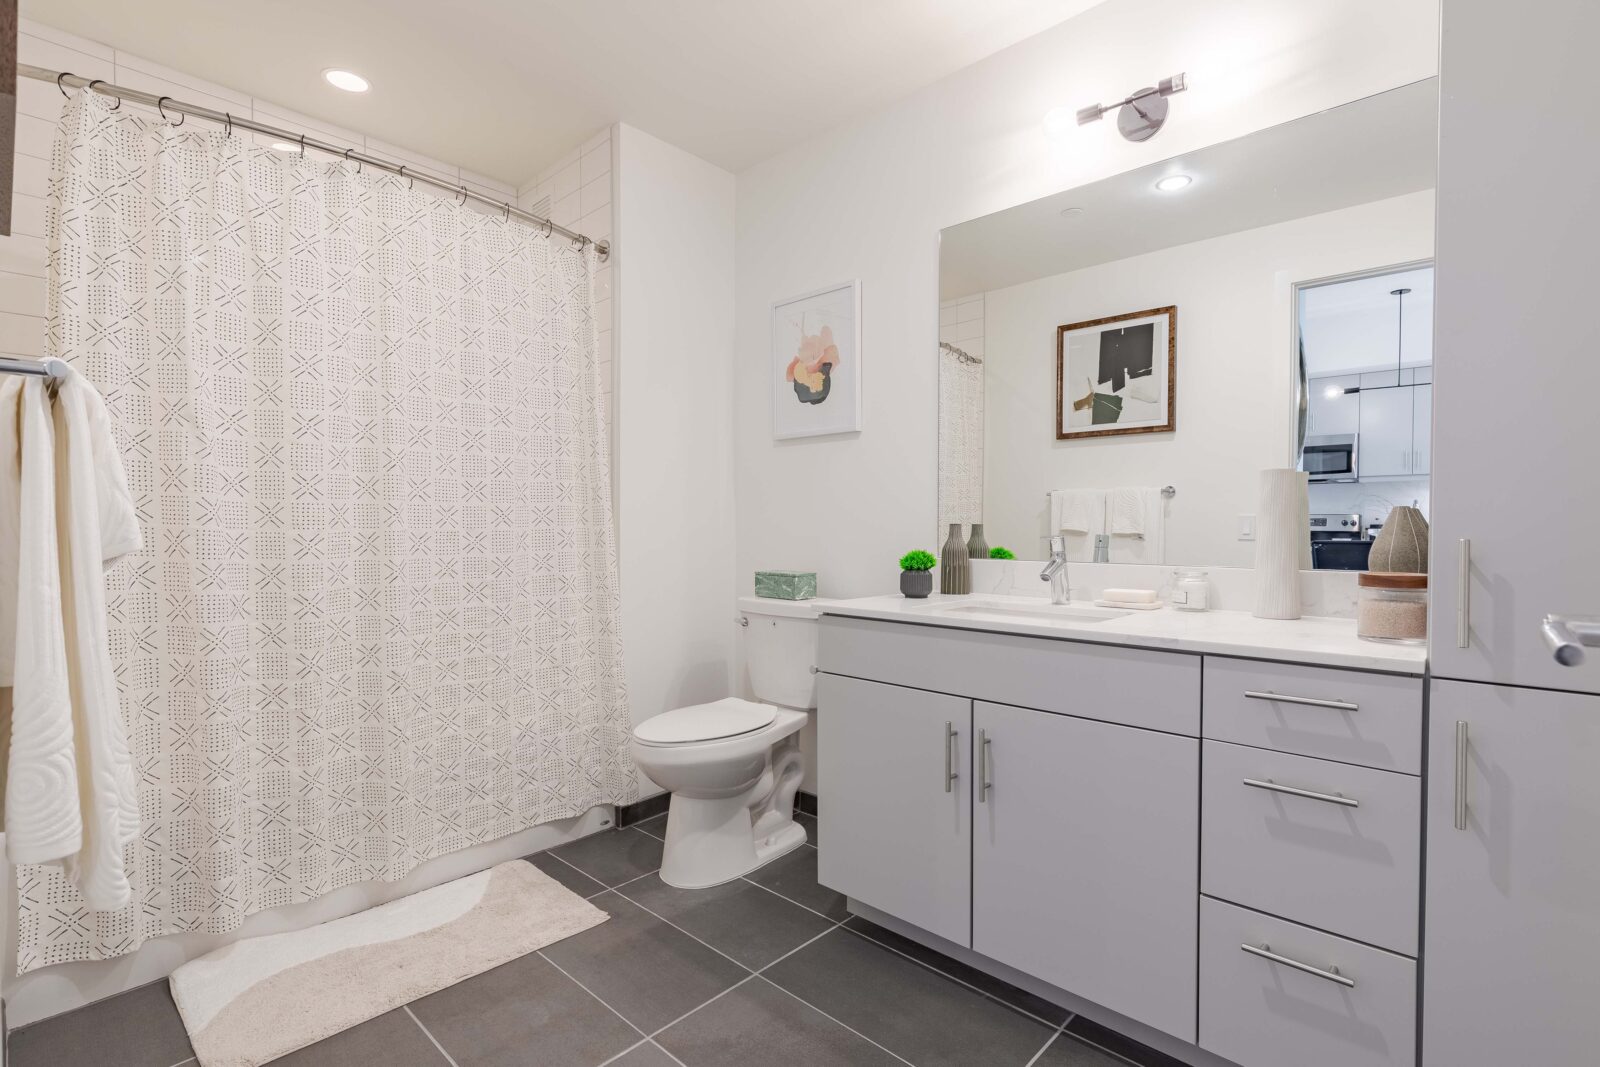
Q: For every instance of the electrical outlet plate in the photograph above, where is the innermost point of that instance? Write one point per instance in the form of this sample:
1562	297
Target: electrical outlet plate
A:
1247	527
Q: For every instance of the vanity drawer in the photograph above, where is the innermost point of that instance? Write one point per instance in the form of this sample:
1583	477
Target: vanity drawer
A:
1342	853
1261	1013
1131	686
1350	716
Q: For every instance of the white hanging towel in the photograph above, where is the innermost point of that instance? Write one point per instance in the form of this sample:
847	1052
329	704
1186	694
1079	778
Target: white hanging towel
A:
1138	525
71	791
1079	515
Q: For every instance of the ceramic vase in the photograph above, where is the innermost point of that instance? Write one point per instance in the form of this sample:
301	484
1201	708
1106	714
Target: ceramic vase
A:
914	585
954	574
977	547
1283	539
1401	547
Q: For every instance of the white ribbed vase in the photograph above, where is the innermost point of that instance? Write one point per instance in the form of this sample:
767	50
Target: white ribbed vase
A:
1283	523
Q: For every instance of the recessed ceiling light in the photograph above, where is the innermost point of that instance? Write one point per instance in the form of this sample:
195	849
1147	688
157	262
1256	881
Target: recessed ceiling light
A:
285	146
1332	391
1071	212
349	81
1173	182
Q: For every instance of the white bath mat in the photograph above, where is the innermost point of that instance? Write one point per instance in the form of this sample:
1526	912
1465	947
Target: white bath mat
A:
264	997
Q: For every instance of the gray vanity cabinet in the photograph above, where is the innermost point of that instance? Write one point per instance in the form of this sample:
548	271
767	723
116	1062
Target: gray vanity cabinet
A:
1085	845
895	766
1513	875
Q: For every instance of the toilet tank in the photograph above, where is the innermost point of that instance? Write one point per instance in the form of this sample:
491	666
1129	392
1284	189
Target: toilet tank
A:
780	649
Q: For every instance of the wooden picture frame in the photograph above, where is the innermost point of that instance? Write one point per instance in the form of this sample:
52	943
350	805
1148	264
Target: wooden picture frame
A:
1128	361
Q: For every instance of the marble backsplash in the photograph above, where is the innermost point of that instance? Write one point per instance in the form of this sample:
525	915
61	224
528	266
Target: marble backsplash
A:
1323	594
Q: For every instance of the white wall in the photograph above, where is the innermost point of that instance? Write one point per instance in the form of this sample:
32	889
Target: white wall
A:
1235	379
585	204
868	202
675	240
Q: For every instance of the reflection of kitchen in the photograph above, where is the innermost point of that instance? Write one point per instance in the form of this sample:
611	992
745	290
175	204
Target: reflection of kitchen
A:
1366	346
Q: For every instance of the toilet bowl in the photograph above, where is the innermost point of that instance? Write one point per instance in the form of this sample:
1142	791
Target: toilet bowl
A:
733	766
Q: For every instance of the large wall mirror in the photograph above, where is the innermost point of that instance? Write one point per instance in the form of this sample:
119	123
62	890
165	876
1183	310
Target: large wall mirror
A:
1119	361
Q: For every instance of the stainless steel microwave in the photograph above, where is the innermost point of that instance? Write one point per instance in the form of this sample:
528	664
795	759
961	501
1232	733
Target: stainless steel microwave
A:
1330	458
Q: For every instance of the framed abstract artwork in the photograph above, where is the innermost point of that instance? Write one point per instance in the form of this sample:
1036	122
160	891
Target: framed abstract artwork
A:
1117	375
816	362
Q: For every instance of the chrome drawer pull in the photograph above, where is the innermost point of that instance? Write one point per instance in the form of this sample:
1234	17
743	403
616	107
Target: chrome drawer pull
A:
1461	774
984	769
1331	974
1310	702
950	774
1331	798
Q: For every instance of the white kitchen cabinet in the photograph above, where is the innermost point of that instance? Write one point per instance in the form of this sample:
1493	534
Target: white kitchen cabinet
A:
1513	885
1386	433
1513	471
1329	409
1421	429
1085	845
895	766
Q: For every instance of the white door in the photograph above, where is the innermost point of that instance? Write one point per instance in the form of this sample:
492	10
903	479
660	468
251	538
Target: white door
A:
1385	444
1515	426
1513	898
1329	409
894	764
1085	859
1421	429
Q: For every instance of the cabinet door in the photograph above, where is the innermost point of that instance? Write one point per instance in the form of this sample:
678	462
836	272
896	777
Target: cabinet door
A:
1421	429
1085	859
1515	425
1329	408
1513	899
1385	445
897	826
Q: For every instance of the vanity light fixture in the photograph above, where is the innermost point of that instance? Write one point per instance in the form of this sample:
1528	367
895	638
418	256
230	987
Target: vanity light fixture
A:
348	80
1143	112
1173	182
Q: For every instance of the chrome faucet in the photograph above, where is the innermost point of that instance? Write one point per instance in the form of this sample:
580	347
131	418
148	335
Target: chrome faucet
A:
1055	572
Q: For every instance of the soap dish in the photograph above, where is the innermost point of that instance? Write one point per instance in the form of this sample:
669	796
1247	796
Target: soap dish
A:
1125	606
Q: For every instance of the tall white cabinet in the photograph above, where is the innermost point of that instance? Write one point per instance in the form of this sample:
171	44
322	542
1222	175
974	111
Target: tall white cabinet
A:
1513	850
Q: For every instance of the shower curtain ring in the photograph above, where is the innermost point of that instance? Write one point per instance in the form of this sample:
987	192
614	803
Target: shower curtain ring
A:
463	191
160	100
228	130
508	211
63	74
102	81
412	182
302	146
549	228
347	152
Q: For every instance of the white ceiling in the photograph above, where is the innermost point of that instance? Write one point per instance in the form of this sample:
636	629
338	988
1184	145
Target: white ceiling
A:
1372	149
1356	325
505	87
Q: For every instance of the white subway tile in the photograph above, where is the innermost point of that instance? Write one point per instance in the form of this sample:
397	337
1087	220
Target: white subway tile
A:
22	254
602	282
564	182
30	28
56	56
596	163
481	183
295	122
21	294
436	167
21	335
947	314
27	215
603	137
30	175
597	223
595	195
136	72
35	136
565	211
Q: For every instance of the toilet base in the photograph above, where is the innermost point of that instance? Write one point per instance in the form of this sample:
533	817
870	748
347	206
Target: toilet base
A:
710	842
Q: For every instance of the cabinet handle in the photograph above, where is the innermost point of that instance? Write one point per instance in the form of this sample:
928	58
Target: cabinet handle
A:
950	774
1310	702
1463	593
984	784
1331	974
1461	775
1330	798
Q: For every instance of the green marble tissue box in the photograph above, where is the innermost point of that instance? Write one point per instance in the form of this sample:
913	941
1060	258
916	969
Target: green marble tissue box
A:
786	585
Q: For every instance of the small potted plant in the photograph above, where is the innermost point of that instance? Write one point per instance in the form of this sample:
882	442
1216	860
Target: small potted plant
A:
1001	552
916	574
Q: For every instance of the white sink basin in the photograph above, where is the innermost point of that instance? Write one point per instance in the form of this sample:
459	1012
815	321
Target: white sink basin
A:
1064	612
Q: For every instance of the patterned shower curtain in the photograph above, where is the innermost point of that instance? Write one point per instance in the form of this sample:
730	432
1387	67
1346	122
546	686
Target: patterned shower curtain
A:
376	615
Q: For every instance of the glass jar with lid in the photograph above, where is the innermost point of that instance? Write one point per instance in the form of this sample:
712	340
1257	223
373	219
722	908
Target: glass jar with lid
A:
1392	607
1191	590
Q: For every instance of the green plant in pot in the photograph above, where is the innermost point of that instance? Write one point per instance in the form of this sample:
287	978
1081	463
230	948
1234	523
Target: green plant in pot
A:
1001	552
916	574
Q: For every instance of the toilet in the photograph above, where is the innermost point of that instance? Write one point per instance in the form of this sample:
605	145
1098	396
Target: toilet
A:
733	766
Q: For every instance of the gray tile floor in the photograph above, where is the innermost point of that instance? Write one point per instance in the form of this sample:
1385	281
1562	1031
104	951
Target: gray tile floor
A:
770	969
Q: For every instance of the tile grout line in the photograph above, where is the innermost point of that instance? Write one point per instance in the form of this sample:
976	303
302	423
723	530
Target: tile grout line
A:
830	1018
429	1035
1047	1043
942	974
791	900
637	1029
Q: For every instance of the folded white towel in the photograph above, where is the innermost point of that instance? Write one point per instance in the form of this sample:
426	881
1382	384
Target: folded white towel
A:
1127	511
1149	546
1079	515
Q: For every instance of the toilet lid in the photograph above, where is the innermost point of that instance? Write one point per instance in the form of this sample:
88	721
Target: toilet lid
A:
705	722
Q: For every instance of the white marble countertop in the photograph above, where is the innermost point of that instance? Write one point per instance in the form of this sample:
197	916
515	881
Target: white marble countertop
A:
1320	641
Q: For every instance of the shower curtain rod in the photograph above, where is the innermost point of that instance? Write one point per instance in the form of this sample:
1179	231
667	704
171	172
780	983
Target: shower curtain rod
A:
351	155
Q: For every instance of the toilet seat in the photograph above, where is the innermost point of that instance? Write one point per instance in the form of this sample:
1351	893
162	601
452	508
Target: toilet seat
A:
717	721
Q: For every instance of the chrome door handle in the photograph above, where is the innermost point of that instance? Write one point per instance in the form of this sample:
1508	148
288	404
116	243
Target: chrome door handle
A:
1463	593
1331	974
1329	798
984	784
1461	775
1310	702
1568	636
950	774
